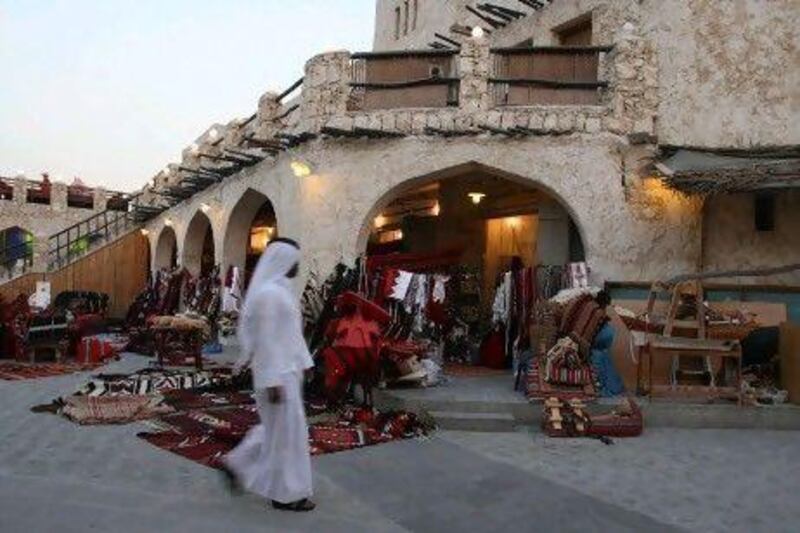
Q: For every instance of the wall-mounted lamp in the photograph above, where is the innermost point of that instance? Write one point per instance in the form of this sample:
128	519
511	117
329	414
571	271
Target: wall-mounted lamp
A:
478	33
301	169
476	197
436	209
205	208
168	222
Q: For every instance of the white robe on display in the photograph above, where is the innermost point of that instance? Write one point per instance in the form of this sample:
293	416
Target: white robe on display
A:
274	460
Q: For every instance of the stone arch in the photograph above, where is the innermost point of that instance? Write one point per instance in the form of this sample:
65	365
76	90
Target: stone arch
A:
198	255
403	186
166	250
237	229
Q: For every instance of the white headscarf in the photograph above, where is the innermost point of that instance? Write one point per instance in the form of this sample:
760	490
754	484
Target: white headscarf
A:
278	259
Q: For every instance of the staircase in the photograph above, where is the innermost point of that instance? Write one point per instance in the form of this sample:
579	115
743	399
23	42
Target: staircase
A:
70	244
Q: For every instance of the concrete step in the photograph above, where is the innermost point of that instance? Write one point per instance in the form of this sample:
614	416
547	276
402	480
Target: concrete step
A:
461	421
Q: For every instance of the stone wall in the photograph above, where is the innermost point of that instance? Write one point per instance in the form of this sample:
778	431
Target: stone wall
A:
331	211
44	220
731	242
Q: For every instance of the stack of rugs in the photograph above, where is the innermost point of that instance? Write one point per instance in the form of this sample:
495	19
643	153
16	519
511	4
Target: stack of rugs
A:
563	370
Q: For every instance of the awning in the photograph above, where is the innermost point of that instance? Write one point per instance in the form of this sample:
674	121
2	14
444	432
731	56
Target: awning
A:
699	171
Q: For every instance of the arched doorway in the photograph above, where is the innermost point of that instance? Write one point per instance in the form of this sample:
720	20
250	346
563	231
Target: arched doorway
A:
198	246
251	225
475	225
166	255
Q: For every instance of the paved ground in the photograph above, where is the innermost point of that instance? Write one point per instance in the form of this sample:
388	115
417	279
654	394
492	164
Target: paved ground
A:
56	476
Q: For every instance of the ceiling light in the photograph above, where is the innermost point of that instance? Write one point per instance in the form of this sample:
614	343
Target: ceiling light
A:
477	32
476	197
301	169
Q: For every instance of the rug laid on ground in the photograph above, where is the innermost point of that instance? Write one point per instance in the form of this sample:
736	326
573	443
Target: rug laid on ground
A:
540	390
473	371
13	371
155	380
206	435
90	410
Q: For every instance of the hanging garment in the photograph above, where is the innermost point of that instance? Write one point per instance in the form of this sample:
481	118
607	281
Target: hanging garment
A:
439	290
502	300
232	293
273	460
402	283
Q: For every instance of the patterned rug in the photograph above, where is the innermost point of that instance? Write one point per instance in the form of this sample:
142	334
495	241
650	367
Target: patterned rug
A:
13	371
473	371
539	390
89	410
206	435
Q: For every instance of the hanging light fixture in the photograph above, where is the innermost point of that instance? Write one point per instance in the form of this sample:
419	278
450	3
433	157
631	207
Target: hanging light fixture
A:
477	32
436	209
145	232
301	169
476	197
168	222
380	221
205	208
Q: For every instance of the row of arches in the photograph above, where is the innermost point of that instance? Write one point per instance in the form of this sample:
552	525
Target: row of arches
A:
251	225
490	215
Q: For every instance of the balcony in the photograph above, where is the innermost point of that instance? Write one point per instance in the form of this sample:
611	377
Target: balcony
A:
406	79
551	75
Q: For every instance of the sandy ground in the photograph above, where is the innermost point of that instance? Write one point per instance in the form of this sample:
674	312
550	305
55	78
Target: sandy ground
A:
57	476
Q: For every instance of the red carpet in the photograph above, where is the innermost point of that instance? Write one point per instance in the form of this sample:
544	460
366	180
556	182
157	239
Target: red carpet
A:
13	371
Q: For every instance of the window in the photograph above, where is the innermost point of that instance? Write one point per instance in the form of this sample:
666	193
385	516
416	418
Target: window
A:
405	19
764	212
576	32
396	23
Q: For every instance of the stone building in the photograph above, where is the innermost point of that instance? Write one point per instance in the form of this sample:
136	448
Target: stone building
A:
33	211
598	120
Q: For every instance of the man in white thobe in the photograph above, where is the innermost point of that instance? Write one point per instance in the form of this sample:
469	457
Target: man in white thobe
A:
273	460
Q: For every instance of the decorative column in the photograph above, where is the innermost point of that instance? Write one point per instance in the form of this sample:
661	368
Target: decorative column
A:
326	89
474	65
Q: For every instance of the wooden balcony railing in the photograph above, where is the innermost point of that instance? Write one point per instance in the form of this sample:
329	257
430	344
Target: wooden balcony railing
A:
547	75
405	79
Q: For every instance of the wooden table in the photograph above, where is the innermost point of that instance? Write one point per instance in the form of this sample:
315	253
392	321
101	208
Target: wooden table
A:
727	351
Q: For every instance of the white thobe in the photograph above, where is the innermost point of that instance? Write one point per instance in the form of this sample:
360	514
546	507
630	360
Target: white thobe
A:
273	460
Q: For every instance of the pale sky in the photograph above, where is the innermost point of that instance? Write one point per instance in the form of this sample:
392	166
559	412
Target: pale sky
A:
113	90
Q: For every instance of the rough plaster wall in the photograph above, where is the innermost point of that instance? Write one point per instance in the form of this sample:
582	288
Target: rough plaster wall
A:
330	211
731	242
730	71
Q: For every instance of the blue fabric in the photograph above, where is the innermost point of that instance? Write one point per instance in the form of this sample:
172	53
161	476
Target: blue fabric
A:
609	381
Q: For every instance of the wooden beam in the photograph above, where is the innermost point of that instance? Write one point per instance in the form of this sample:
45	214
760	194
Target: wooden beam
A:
291	89
551	83
448	40
489	20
